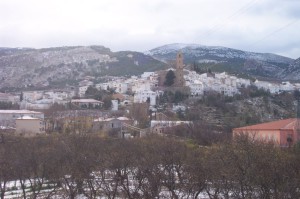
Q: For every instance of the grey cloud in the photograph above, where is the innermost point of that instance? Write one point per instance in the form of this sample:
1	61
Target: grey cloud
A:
279	8
142	24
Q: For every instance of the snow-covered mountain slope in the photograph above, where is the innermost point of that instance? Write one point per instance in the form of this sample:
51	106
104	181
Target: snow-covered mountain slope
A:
200	51
226	59
65	65
292	72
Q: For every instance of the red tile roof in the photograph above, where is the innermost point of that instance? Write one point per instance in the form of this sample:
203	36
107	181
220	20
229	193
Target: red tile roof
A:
286	124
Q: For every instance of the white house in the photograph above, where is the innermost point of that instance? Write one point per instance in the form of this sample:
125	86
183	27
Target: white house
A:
287	86
121	87
37	104
140	85
274	87
219	82
144	96
103	86
87	103
8	117
30	96
147	75
114	105
86	83
196	88
82	90
243	82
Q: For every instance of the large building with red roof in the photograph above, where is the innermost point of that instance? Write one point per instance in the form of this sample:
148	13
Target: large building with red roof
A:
282	132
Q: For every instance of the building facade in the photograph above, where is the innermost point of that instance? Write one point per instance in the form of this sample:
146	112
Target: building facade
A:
29	126
180	82
282	132
14	114
145	96
87	103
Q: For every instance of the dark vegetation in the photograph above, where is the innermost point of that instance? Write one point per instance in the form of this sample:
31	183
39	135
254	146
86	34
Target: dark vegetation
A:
8	106
170	78
252	106
127	66
101	95
170	96
69	165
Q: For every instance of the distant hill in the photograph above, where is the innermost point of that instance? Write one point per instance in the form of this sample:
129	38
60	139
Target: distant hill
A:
60	66
265	65
66	65
292	72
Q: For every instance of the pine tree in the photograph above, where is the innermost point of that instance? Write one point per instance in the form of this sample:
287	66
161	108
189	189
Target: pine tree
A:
170	77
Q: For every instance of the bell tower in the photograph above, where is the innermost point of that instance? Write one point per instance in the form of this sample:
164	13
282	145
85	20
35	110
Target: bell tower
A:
179	70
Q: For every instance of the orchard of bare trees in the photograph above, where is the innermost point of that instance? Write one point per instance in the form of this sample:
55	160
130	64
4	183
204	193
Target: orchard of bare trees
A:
151	167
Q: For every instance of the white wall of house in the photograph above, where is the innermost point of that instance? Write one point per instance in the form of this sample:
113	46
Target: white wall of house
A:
140	86
82	91
196	89
143	96
32	95
121	87
115	105
147	75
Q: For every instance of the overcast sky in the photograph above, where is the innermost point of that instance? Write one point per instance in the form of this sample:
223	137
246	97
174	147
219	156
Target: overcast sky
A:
253	25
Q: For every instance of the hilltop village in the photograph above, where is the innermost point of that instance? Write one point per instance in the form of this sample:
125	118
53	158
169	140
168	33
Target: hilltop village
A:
134	106
172	133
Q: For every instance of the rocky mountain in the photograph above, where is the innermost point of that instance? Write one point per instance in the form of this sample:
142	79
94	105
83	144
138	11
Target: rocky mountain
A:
225	59
60	66
292	72
66	65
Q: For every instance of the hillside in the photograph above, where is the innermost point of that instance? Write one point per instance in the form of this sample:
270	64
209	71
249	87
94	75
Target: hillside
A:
66	65
225	59
292	72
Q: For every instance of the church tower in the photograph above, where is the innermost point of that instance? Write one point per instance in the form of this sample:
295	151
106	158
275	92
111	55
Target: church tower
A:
179	70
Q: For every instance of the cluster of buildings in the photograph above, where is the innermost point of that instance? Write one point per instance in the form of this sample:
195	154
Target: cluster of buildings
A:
219	82
22	122
229	85
45	99
144	88
276	87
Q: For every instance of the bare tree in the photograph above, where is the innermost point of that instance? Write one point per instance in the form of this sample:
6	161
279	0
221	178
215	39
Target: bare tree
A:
139	112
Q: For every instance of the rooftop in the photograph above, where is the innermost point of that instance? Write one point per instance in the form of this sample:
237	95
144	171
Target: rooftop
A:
286	124
102	119
85	101
123	118
19	111
27	118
